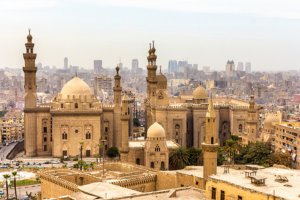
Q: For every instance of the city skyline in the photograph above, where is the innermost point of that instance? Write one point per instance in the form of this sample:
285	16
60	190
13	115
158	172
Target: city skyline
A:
202	32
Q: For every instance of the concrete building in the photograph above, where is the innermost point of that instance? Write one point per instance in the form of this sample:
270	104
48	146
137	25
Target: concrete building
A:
66	63
230	68
248	67
134	65
97	66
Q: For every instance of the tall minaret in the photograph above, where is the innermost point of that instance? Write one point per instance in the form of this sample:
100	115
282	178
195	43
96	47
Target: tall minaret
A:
151	78
117	88
30	74
117	109
251	122
30	99
211	144
125	116
151	85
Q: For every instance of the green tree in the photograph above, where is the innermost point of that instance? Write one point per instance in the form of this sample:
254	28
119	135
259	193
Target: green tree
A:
112	152
14	174
230	149
6	177
195	156
179	158
281	158
255	153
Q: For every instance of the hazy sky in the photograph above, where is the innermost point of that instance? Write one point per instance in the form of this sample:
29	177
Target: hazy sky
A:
206	32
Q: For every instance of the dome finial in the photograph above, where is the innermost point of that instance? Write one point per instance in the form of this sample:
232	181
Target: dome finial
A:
29	37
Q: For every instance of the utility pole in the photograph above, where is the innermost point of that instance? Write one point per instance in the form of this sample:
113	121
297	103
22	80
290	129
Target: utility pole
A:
103	149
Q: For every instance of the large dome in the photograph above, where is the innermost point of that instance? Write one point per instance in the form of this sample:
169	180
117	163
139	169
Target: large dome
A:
156	131
200	93
75	86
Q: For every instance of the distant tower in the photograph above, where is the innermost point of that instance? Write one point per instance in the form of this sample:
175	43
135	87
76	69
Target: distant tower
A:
30	98
97	66
125	116
117	108
248	67
230	68
66	61
251	122
211	144
134	65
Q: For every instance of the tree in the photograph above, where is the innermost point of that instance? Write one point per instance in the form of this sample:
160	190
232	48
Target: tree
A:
6	176
195	156
231	148
112	152
255	153
179	158
15	183
281	158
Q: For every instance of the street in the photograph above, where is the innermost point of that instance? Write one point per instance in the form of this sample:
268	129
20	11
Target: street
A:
21	191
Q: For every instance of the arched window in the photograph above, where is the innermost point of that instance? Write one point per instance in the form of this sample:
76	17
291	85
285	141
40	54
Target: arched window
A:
152	164
88	135
240	128
138	161
162	165
76	105
64	136
61	105
157	148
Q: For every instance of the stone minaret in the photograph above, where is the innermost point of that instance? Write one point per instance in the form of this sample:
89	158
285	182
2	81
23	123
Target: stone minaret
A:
30	98
211	144
125	116
251	122
117	109
151	85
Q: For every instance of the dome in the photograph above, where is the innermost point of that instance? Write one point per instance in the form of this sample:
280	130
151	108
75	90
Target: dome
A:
156	131
75	86
200	93
161	81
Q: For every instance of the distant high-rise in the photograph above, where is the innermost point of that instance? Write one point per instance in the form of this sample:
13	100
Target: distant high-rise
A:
206	69
97	66
240	66
134	65
182	65
248	67
66	61
230	68
172	66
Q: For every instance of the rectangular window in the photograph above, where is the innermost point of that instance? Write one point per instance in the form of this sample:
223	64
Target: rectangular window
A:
106	129
45	139
213	193
88	153
45	147
222	195
45	129
240	197
65	153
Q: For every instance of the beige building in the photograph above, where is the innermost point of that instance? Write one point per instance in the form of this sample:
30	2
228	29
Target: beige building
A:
12	126
183	118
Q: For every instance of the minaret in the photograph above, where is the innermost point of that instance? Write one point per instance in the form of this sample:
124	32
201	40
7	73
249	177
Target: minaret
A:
151	85
30	74
151	78
117	109
211	144
117	88
30	99
125	116
251	122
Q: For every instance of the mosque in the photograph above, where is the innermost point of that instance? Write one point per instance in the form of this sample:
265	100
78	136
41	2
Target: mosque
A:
76	118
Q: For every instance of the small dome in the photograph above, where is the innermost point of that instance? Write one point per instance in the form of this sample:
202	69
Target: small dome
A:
156	131
75	86
200	93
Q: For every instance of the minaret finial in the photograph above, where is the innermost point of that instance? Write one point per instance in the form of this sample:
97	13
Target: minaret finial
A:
29	31
160	69
117	69
152	43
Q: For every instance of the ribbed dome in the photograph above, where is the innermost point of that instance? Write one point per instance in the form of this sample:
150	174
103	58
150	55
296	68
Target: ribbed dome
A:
75	86
156	131
161	81
200	93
